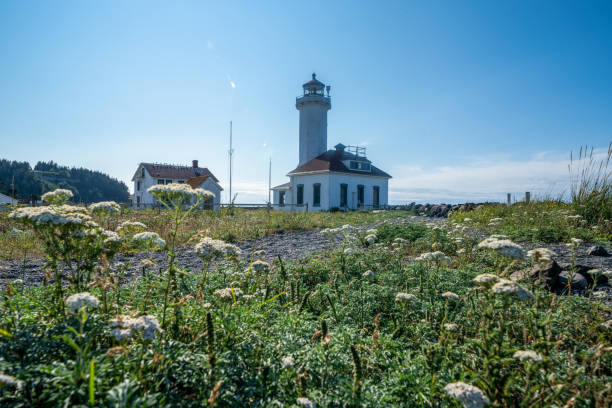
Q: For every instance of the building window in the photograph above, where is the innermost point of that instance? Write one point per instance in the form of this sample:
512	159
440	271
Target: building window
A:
160	181
168	181
181	181
138	186
316	195
375	196
300	194
281	198
343	195
362	166
138	201
142	172
360	195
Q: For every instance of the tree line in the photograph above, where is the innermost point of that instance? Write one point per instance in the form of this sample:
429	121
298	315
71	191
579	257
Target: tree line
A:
27	184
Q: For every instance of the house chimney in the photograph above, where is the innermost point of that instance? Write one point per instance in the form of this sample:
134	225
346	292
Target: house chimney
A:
195	164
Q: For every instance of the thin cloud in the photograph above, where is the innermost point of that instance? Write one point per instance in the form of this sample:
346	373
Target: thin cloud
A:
484	180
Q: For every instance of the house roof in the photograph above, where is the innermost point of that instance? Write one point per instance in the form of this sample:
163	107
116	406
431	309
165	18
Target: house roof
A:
169	171
196	182
331	161
285	186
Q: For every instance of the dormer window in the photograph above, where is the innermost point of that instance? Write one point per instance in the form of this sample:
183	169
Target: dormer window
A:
360	166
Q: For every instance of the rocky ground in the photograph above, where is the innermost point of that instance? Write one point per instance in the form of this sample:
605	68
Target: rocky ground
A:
290	246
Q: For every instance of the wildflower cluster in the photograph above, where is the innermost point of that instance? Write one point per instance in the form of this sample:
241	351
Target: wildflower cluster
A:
503	246
125	327
79	300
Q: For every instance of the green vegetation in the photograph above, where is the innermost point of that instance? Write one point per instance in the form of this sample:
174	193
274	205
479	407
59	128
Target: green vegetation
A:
366	325
541	221
232	227
87	185
298	330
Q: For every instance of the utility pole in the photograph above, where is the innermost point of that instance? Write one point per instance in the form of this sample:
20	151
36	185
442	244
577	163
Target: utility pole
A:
270	181
231	153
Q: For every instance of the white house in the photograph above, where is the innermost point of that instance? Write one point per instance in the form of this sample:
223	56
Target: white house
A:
150	174
324	179
6	200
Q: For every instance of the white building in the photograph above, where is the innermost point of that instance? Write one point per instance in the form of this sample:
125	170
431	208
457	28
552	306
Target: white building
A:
6	200
324	179
150	174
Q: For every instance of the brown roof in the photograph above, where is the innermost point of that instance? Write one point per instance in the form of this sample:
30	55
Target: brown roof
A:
331	160
169	171
196	182
284	186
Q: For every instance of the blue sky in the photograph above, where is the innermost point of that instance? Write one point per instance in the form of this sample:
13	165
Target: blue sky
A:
457	100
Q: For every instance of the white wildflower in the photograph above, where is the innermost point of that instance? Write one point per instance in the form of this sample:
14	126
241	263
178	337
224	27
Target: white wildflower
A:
177	193
228	293
451	327
121	334
496	221
402	297
349	251
131	225
574	242
305	402
111	237
369	275
209	248
498	236
504	247
77	301
372	231
287	361
450	296
541	254
523	355
437	256
8	380
607	324
55	216
370	239
508	288
467	219
105	207
461	251
468	395
17	282
486	279
149	238
126	326
58	196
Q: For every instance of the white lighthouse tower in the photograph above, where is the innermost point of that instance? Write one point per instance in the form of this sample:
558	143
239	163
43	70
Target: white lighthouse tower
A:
313	107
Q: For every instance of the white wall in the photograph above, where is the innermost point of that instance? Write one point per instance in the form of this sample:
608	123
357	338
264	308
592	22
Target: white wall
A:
330	191
147	199
352	181
313	127
4	199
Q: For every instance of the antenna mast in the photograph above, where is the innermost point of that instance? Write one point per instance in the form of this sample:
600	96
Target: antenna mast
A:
231	152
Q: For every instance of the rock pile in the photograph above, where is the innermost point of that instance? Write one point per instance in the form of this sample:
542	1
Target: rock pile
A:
438	210
559	277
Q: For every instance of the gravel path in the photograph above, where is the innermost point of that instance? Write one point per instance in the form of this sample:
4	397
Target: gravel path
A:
290	246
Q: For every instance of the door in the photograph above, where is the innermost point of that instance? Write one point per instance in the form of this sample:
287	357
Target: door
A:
360	195
375	196
343	195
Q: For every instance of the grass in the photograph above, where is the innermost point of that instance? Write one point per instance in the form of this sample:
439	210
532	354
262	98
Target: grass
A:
316	329
539	221
241	225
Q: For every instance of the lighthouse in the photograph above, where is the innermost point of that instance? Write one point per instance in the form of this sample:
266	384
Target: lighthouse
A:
341	178
313	106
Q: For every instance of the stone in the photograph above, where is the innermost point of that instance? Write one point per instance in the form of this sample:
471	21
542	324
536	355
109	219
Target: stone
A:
597	250
578	281
584	271
544	274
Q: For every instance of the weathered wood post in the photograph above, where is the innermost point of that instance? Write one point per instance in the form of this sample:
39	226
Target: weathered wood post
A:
509	199
527	197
